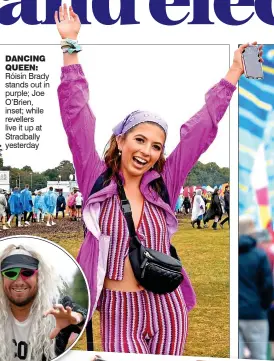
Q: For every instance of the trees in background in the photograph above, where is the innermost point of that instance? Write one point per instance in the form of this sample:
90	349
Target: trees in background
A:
37	180
201	174
208	174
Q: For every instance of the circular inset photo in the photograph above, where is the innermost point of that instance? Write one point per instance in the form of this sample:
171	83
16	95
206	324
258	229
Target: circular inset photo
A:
44	299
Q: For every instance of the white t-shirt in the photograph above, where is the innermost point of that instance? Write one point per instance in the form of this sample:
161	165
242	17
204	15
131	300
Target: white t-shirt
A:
78	200
3	204
20	337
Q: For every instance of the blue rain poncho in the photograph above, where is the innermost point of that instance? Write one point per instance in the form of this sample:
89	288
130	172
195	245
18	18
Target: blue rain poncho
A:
39	203
16	206
26	200
50	201
179	203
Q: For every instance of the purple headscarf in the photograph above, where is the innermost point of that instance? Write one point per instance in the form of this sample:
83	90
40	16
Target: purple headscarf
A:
136	118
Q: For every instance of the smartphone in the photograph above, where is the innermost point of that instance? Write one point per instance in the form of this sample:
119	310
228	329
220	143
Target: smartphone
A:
252	66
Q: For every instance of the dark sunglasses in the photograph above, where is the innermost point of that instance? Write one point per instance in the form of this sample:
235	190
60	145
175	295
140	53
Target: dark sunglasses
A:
13	273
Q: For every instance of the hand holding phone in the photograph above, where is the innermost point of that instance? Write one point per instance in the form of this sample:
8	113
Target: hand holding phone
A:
237	68
251	62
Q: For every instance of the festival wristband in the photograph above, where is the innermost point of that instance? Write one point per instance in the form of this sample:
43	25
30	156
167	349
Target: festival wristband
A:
65	49
70	46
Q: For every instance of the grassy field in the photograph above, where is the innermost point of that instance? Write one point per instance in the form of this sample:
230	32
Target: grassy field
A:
205	256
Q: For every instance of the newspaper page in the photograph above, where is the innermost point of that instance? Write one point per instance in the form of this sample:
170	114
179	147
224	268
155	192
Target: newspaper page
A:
124	125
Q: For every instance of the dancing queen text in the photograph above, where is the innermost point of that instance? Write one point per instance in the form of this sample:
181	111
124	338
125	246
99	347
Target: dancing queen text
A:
196	12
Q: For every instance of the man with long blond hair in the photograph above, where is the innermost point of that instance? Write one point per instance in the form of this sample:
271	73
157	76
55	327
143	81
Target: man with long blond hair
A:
36	321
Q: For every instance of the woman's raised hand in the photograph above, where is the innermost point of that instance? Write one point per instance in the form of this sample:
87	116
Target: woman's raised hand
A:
68	23
237	59
237	68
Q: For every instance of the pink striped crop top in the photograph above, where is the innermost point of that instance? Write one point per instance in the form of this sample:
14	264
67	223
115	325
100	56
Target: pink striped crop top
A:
152	231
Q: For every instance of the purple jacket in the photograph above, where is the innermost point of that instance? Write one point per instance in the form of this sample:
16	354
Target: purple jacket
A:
79	123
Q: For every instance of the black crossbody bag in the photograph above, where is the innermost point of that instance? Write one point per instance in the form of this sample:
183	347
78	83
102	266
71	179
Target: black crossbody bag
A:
155	271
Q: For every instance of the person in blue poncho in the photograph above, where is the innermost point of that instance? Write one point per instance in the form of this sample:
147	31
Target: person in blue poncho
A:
33	217
16	207
179	204
39	207
50	203
26	200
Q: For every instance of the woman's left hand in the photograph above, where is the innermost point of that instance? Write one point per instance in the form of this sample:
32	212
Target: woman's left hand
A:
237	68
64	317
237	59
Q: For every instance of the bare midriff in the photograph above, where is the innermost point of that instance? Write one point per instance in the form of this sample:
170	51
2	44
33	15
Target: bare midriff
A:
127	284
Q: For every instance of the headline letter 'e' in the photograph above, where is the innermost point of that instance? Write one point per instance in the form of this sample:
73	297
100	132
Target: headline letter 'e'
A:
223	11
158	10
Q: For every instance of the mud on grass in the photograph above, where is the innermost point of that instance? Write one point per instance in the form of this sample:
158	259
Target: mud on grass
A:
204	254
67	234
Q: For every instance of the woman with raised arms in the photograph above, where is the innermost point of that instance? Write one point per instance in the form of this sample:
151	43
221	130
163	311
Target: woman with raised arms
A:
133	319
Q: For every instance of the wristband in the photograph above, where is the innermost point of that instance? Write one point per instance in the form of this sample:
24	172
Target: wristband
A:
70	46
65	49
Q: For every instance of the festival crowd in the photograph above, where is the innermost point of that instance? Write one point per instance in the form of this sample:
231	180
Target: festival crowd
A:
205	207
26	207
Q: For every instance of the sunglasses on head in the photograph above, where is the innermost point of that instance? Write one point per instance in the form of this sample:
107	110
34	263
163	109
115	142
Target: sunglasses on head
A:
13	273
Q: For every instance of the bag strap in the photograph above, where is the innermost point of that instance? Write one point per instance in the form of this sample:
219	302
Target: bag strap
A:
89	334
126	209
